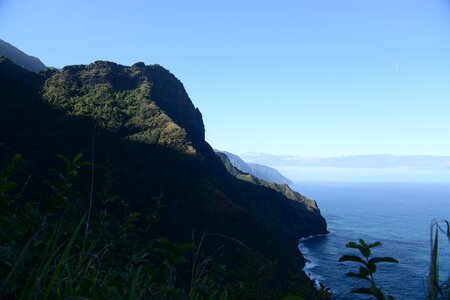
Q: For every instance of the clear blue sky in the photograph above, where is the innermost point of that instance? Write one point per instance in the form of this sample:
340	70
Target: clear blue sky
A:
310	78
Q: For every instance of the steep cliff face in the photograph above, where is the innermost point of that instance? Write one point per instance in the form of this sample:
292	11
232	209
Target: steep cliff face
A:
300	206
150	105
147	101
140	120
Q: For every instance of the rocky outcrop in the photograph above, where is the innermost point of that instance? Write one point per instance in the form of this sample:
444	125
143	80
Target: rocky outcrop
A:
147	101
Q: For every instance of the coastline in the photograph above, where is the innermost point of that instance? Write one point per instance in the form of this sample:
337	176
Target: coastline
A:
309	259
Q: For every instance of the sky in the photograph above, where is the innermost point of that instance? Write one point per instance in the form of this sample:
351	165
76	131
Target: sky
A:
315	78
365	168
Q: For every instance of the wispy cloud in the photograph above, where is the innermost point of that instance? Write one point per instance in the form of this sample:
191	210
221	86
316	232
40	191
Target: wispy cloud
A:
358	168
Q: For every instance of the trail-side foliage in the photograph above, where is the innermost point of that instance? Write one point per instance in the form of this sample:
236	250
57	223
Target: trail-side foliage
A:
438	288
49	251
367	268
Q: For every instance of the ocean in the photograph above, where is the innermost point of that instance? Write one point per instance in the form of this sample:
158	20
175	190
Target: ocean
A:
398	215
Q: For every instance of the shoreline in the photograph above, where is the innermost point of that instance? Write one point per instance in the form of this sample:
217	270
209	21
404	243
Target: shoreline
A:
309	261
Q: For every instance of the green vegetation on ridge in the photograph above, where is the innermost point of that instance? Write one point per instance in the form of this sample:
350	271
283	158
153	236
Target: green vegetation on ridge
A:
151	176
264	172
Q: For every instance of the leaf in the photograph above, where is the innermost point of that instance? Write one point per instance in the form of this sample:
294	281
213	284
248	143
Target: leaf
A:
7	187
376	244
364	271
434	274
65	160
10	168
77	157
448	229
357	275
134	283
383	259
352	245
366	291
85	164
366	251
353	258
372	267
18	261
62	260
364	248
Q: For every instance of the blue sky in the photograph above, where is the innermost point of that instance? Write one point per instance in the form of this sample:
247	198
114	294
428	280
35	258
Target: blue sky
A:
310	78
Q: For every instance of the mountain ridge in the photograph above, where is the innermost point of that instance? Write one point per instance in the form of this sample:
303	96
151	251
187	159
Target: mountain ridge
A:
20	58
260	171
130	117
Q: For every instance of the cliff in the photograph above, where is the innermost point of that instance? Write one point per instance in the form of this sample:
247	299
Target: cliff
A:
139	122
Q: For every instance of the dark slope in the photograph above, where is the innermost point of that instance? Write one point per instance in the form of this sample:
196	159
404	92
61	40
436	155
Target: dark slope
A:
264	172
306	204
152	135
20	58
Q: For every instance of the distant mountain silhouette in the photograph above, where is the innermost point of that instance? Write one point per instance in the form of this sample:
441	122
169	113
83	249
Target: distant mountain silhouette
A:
20	58
264	172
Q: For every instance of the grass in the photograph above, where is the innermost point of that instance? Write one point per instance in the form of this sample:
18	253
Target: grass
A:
436	288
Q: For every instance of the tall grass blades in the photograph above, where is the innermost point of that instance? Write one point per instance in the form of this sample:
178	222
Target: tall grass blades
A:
436	288
62	264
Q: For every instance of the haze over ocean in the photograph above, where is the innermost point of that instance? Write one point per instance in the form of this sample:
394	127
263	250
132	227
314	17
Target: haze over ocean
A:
397	214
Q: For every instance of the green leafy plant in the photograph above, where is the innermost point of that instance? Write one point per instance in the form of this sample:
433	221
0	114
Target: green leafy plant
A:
367	267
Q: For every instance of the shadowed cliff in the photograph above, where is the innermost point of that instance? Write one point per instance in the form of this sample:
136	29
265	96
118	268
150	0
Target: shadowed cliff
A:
139	122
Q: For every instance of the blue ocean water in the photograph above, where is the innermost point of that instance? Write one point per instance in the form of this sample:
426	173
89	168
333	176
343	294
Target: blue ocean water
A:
397	214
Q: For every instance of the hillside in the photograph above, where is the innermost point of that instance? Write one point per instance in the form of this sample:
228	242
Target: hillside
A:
264	172
145	140
284	189
20	58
